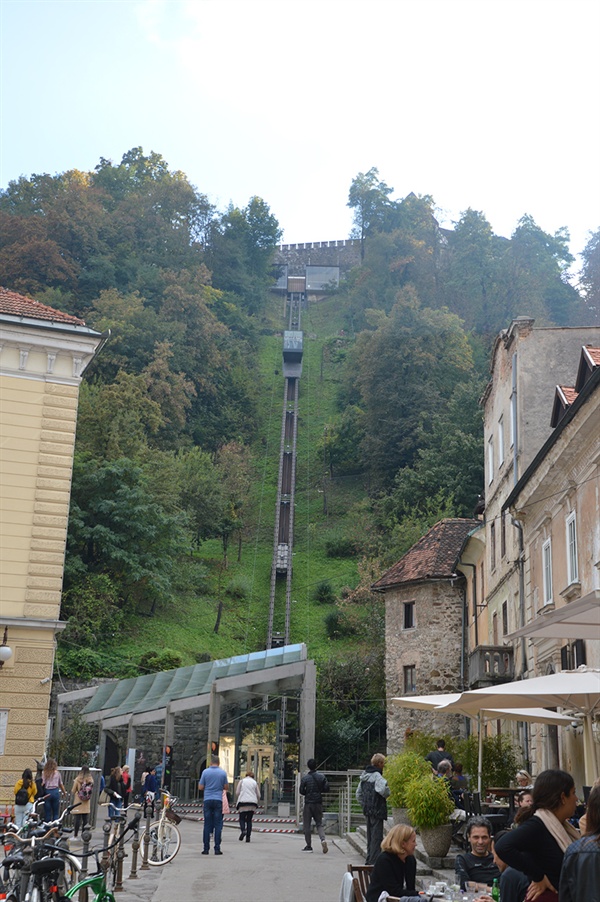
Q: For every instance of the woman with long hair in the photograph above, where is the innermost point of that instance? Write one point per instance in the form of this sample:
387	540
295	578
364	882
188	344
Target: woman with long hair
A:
53	786
114	789
580	875
537	846
395	869
83	788
247	796
25	793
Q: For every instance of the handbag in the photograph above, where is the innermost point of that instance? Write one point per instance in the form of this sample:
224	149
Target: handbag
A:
225	803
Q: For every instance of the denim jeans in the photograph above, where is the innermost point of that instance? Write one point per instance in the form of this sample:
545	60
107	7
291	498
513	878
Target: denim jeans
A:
213	820
52	805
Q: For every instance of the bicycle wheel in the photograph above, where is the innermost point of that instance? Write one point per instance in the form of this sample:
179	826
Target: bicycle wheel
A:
165	840
71	874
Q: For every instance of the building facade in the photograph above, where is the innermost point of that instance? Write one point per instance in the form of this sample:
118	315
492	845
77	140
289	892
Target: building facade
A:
43	354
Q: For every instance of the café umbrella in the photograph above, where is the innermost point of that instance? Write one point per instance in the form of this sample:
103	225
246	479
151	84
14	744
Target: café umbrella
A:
577	692
441	704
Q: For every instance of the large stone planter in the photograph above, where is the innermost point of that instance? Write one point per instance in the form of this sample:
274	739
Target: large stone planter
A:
437	840
400	816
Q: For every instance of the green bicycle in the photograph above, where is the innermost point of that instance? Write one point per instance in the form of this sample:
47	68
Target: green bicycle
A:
94	887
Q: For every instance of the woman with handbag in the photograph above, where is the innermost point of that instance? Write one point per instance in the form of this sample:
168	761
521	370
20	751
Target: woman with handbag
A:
83	788
25	793
247	796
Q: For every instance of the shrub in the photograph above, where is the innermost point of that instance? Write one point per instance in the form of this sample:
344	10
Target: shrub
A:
238	588
338	625
324	593
428	802
155	661
399	770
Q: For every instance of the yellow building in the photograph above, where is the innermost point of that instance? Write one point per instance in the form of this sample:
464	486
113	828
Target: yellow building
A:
43	354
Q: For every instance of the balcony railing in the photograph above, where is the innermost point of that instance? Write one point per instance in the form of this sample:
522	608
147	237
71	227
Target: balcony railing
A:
491	664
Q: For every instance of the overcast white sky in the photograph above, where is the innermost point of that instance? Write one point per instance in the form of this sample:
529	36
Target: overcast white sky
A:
490	104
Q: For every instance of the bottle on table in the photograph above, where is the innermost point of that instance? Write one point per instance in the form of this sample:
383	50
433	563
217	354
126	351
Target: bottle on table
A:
496	890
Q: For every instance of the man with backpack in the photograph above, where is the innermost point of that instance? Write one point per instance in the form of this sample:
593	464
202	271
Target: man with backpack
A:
371	793
312	786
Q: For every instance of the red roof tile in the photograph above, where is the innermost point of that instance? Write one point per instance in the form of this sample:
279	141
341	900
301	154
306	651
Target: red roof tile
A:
432	557
13	304
594	354
569	393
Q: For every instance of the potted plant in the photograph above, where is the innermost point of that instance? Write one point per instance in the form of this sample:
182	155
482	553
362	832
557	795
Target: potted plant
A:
429	810
399	770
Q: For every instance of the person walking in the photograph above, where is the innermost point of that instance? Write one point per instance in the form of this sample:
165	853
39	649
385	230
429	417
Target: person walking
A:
25	793
247	796
114	789
83	788
53	786
213	782
127	787
312	786
438	754
371	793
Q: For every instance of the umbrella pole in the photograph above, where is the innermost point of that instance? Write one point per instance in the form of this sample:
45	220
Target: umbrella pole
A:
479	751
589	751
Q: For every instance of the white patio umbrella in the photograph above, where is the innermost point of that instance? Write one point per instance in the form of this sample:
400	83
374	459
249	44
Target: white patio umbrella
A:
577	620
441	703
575	691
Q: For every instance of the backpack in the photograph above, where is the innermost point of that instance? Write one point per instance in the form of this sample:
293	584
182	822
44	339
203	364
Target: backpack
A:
85	792
21	797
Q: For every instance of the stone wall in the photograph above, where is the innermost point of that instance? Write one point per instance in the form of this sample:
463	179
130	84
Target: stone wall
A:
345	254
433	647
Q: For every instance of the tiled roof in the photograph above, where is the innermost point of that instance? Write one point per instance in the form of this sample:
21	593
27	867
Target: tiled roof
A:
13	304
594	354
569	393
432	557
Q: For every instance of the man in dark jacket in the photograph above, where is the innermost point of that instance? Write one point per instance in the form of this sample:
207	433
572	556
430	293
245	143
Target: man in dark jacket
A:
312	786
478	865
371	793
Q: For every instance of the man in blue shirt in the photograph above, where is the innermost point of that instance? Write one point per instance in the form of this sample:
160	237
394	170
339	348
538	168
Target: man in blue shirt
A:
212	783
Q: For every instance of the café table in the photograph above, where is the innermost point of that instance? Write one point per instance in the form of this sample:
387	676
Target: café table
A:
506	792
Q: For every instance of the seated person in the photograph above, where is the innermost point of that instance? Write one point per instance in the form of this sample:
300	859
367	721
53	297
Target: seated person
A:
513	884
395	869
524	779
478	864
523	801
439	754
459	784
444	772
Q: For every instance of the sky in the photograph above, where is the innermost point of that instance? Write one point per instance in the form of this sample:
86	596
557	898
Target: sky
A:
479	103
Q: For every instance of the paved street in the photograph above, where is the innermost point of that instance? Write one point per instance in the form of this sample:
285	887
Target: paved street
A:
271	868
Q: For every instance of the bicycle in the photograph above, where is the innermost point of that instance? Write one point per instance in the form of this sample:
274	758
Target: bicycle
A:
114	836
163	836
96	883
29	872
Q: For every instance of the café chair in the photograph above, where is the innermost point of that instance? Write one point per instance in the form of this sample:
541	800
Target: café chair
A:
362	874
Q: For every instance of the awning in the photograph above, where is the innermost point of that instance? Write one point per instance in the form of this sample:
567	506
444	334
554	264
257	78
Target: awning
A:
577	620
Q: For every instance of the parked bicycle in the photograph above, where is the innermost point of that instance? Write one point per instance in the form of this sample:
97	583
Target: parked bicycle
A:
164	839
93	888
34	868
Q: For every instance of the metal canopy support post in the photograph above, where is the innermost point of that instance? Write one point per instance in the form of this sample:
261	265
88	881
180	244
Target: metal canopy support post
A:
308	701
214	719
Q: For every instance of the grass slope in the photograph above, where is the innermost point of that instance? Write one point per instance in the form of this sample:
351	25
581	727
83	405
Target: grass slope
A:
187	626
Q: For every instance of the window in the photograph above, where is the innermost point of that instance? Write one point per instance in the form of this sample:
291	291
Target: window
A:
500	441
504	618
490	458
409	615
547	570
503	534
573	655
493	544
410	679
572	569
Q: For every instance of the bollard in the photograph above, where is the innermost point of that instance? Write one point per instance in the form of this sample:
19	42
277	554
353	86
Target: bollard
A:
106	829
120	856
145	865
135	845
86	836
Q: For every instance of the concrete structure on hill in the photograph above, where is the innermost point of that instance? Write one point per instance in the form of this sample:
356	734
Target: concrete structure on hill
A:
425	638
43	354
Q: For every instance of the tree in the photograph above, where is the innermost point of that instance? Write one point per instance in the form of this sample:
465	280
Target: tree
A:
405	371
368	198
590	275
117	528
233	465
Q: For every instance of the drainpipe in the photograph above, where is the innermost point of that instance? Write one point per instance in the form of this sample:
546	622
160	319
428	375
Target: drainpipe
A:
465	619
524	665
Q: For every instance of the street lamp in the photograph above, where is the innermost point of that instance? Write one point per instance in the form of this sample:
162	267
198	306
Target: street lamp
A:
5	649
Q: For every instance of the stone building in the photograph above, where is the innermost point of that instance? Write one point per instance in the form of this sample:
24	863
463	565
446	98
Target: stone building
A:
43	354
425	638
